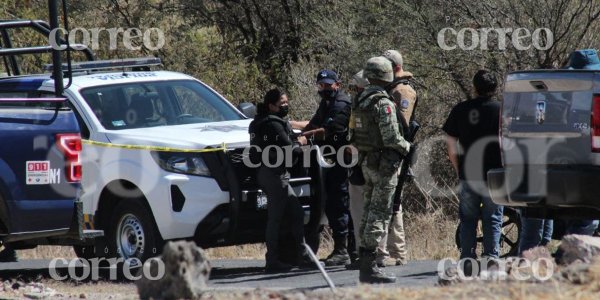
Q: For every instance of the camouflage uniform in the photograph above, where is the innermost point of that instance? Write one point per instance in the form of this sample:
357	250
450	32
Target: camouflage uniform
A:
381	161
392	248
376	134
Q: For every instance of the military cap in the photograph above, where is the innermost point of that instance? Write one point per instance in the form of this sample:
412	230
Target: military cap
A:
359	81
379	68
394	56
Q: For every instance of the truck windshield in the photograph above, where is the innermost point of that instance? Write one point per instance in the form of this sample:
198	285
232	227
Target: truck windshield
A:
162	103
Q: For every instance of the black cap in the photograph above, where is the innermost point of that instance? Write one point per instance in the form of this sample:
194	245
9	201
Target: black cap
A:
327	76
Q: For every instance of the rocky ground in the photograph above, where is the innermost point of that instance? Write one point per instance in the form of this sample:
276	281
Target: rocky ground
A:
576	275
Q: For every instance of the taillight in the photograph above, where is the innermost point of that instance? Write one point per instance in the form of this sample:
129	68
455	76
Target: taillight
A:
70	145
595	124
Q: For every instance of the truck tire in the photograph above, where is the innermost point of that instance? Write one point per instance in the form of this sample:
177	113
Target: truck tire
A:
132	232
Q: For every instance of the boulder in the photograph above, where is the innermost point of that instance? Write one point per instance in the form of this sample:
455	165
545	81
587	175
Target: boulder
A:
579	248
186	272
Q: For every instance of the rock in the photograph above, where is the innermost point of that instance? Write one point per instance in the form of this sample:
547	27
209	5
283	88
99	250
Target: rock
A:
38	291
186	271
42	295
6	285
82	296
452	275
579	248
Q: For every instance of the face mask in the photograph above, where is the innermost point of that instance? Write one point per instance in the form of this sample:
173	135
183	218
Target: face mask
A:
283	111
327	94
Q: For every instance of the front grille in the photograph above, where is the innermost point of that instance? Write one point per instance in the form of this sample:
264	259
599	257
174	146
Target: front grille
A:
245	174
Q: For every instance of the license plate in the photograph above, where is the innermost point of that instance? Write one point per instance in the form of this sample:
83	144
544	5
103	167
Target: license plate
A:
261	201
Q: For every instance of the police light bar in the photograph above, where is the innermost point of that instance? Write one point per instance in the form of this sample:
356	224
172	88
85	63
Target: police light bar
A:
110	64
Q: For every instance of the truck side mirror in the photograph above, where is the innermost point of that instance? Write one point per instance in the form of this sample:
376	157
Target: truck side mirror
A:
248	109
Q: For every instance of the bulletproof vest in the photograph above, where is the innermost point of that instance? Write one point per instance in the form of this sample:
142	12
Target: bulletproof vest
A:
367	137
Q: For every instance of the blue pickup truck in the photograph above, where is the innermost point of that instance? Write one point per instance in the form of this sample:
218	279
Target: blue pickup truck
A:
40	149
40	170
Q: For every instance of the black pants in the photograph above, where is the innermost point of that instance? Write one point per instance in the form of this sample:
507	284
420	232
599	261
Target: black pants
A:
282	204
336	207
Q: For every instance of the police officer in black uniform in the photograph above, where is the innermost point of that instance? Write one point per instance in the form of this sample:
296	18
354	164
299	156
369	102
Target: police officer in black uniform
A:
269	128
329	126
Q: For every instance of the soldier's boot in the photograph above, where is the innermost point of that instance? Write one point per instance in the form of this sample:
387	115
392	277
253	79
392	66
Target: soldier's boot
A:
339	256
369	272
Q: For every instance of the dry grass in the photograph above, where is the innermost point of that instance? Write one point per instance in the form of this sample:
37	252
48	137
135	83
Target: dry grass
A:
47	252
429	236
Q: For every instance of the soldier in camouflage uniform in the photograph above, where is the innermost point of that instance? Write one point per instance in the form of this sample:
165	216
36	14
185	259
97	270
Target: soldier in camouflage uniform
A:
376	134
392	250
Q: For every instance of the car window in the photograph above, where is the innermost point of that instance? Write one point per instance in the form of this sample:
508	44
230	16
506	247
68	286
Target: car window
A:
26	94
194	104
163	103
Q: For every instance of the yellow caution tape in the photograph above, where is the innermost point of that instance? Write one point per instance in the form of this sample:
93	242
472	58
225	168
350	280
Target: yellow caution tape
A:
154	148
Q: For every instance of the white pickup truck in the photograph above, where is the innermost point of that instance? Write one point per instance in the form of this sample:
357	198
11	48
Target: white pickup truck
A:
163	160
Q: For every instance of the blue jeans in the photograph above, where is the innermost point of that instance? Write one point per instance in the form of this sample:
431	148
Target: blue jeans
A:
475	203
535	232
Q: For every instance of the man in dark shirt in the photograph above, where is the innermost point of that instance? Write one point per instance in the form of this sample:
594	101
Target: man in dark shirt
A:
473	149
329	127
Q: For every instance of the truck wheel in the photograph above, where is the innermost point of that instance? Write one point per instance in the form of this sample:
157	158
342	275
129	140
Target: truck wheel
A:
132	232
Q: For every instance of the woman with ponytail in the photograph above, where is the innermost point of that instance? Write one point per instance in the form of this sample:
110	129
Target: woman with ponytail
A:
270	128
